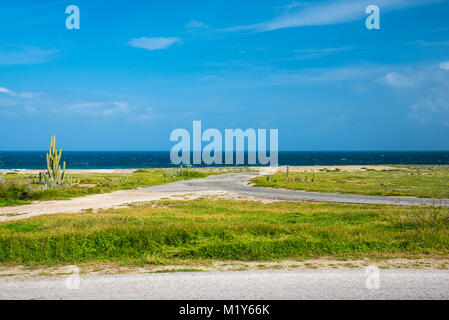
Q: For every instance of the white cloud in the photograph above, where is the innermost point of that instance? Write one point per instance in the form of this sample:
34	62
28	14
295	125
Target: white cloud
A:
20	102
394	79
444	65
117	107
327	13
153	43
195	24
429	99
4	90
25	55
25	95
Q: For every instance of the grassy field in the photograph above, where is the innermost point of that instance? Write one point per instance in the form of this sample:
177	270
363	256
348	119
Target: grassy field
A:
16	189
168	231
416	182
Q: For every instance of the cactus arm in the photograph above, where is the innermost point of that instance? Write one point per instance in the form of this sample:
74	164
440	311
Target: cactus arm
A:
48	164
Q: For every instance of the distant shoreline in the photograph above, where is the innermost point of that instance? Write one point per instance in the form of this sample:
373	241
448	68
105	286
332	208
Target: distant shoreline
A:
127	160
311	168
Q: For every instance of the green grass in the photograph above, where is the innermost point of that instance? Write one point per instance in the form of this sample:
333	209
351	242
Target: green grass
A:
416	183
18	189
168	231
177	270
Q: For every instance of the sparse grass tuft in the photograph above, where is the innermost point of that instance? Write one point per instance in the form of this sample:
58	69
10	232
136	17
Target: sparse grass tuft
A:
436	216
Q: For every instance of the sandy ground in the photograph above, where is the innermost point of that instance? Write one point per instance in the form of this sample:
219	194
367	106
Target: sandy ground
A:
107	201
20	271
263	170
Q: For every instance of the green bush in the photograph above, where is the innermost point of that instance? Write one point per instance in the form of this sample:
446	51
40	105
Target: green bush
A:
14	194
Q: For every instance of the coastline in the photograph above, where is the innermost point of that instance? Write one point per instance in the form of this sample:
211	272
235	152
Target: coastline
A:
127	160
310	168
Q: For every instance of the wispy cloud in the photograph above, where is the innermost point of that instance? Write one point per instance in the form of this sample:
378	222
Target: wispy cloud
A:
317	52
27	103
25	55
326	13
272	77
13	102
423	43
423	76
100	108
195	24
30	109
428	87
444	65
294	4
26	95
396	80
324	75
153	44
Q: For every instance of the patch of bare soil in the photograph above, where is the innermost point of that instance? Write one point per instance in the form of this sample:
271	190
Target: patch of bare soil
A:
8	272
93	203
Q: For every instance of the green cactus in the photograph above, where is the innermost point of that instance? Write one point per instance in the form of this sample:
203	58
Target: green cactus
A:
53	159
173	173
55	176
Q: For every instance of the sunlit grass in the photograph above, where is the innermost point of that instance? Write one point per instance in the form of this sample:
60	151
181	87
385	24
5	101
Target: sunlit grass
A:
19	188
416	183
166	231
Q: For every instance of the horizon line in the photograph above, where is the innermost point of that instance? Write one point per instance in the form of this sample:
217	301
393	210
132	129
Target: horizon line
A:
343	150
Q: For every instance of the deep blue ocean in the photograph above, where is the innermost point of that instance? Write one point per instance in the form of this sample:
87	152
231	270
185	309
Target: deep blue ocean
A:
161	159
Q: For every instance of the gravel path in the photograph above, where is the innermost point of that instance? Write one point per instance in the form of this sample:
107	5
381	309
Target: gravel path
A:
257	285
235	184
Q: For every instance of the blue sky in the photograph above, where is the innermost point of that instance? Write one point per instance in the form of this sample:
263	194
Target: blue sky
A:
136	70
